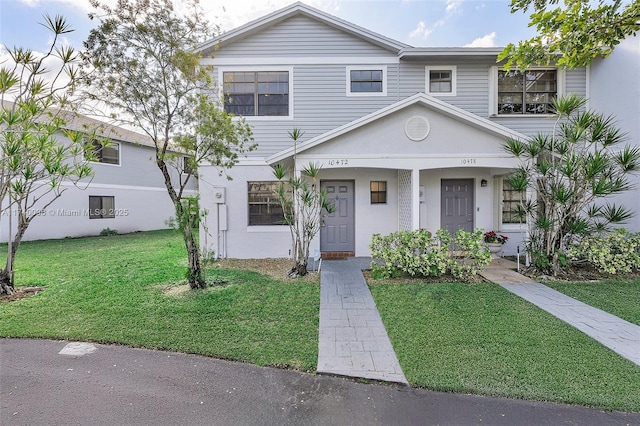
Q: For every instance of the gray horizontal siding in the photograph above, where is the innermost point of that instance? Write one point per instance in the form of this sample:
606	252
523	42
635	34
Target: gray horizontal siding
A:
576	81
300	36
320	104
137	168
472	92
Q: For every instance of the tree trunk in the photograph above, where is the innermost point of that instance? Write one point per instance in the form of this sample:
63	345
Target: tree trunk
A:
6	274
196	279
6	286
298	270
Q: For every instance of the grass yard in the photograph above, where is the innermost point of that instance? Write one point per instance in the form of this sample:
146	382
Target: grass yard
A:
450	337
620	297
114	290
482	339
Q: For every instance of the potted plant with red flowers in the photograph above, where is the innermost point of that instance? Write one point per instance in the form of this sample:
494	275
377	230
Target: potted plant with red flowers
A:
494	241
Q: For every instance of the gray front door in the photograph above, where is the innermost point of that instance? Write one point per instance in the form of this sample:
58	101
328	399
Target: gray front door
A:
457	204
338	228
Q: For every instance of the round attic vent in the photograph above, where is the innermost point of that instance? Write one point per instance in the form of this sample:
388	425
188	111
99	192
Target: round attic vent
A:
417	128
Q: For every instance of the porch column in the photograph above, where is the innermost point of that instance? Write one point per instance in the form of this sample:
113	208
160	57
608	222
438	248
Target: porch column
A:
415	199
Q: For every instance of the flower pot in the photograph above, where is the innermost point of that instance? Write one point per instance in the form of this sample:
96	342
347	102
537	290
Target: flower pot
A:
494	248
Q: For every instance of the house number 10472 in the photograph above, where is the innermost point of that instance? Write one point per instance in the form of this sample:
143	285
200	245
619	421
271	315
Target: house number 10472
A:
340	162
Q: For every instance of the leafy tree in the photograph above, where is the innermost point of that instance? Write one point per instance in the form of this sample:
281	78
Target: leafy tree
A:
302	203
574	33
35	163
569	175
145	69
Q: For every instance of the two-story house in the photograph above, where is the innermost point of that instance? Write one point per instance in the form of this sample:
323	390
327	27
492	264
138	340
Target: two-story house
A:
126	193
407	137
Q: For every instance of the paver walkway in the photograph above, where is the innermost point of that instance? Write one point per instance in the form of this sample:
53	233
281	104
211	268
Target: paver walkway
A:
353	340
615	333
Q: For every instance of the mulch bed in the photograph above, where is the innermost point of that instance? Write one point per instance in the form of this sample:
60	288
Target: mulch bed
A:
20	293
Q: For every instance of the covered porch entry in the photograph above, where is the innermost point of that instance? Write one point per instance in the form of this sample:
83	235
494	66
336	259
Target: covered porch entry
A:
435	161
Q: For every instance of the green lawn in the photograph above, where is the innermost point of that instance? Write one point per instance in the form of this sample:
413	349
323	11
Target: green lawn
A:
451	337
109	289
482	339
618	297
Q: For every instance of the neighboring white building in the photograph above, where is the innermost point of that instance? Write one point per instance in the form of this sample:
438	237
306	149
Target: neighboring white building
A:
407	137
614	89
127	192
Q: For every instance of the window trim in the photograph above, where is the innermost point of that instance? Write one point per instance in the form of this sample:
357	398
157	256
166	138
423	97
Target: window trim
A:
493	91
454	79
350	68
249	68
371	192
111	164
503	226
102	197
268	225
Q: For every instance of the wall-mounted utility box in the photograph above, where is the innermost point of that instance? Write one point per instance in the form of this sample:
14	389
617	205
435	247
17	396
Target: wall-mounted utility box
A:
219	195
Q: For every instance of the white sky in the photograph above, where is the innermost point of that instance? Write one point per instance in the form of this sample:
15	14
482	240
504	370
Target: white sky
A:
415	22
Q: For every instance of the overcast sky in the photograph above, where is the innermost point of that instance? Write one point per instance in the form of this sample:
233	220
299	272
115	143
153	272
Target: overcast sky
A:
415	22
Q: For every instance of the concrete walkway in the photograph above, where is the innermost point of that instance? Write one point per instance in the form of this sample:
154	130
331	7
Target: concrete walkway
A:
615	333
353	340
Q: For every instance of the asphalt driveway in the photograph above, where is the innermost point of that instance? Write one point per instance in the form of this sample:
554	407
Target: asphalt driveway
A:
126	386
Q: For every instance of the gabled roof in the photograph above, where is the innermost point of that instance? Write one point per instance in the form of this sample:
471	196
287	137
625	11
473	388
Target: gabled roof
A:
417	99
79	122
297	9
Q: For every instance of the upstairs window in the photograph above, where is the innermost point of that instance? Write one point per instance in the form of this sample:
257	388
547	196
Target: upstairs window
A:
105	154
262	93
527	92
441	80
366	81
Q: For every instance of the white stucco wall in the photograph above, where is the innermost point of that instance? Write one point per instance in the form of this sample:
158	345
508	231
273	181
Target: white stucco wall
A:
245	242
242	241
614	89
136	209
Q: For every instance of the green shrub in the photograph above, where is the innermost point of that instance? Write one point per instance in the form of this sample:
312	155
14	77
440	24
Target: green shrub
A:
414	253
406	252
470	254
614	253
107	232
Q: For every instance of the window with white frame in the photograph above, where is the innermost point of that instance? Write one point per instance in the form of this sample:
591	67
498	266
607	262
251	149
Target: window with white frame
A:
441	80
264	207
107	153
511	202
528	92
362	81
102	207
256	93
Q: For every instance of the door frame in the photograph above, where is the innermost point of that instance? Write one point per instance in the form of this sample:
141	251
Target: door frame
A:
473	199
353	201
